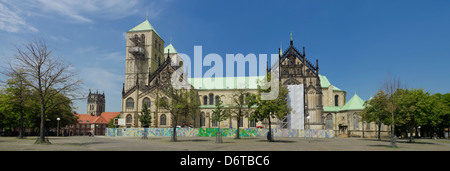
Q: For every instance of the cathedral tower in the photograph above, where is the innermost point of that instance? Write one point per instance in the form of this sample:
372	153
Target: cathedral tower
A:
144	53
144	56
296	69
95	103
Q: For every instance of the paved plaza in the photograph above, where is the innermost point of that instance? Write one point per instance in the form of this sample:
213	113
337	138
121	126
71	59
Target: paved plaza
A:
100	143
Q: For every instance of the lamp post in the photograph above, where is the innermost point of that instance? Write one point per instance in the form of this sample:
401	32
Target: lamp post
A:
57	130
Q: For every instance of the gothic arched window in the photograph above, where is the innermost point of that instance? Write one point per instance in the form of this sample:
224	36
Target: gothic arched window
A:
241	121
211	99
202	119
213	122
253	123
336	100
355	122
147	102
130	103
129	118
163	119
205	100
329	122
217	99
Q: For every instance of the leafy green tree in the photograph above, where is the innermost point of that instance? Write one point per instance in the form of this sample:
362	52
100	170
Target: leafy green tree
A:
17	100
418	108
146	119
61	107
219	114
10	108
375	111
445	115
267	109
111	123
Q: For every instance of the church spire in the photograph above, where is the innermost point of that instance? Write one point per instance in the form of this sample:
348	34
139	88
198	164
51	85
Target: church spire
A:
292	40
280	51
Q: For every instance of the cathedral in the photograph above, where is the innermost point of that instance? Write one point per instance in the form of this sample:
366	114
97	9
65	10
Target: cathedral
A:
95	120
95	103
148	71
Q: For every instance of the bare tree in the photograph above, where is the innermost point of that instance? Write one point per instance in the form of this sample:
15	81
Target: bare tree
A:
239	106
48	75
177	104
390	86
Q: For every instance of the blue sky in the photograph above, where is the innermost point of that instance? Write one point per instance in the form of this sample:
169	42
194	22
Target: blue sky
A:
357	42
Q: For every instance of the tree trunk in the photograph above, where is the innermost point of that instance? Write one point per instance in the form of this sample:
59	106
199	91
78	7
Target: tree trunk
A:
269	134
237	131
41	139
21	125
363	130
219	135
411	137
393	140
145	132
379	131
174	132
411	131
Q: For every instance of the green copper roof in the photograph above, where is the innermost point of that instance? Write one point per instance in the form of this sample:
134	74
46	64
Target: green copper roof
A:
225	106
224	83
332	108
144	26
235	82
324	83
355	103
336	89
171	48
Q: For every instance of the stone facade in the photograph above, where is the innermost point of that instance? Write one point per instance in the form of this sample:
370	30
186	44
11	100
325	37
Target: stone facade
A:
148	70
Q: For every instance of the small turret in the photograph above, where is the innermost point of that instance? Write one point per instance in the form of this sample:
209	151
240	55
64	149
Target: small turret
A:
292	40
317	66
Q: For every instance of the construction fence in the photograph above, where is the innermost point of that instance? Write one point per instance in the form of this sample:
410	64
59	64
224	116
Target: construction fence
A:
211	132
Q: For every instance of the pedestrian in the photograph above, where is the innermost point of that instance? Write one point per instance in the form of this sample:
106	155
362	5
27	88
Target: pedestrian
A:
435	136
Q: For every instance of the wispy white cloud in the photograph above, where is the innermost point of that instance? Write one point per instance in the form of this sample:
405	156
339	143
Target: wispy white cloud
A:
81	10
15	14
12	21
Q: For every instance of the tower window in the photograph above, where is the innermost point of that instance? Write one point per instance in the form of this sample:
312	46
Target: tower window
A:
336	100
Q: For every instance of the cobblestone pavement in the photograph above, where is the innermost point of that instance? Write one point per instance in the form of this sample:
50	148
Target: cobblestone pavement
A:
100	143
